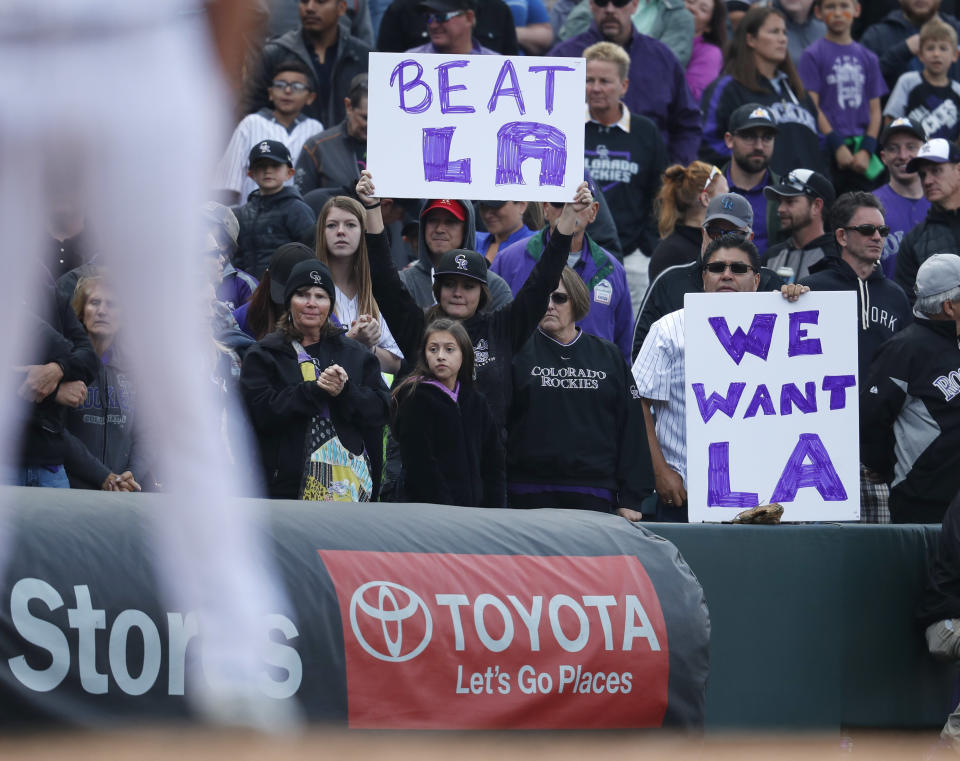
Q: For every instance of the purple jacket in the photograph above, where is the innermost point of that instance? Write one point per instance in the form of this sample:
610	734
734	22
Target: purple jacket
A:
610	316
658	90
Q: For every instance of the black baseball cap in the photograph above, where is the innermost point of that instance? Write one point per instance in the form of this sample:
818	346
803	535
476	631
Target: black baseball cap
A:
273	150
443	6
462	261
800	182
902	124
751	115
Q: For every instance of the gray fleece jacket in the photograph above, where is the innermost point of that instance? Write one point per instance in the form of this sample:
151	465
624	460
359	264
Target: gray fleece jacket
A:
418	277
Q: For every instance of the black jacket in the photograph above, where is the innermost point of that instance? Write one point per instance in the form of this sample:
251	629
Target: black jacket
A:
882	306
327	160
267	222
939	233
577	419
665	295
888	39
452	451
910	420
801	260
350	59
682	246
402	27
941	598
496	336
63	340
280	404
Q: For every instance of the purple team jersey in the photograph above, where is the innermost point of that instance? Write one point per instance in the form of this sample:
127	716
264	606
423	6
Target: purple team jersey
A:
903	214
846	78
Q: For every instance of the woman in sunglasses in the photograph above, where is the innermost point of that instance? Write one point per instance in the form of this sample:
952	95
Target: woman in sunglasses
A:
461	292
759	70
575	430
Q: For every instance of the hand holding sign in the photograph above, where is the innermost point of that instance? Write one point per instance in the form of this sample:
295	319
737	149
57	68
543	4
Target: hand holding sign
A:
575	215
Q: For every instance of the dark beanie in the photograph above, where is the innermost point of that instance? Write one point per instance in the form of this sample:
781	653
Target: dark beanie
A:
306	275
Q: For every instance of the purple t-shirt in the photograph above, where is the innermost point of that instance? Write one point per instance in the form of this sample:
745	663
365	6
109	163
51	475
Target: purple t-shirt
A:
845	77
903	214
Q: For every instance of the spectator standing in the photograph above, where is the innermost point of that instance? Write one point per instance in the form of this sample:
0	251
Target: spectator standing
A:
938	165
274	214
751	136
611	313
358	20
657	85
910	401
450	25
759	70
505	226
803	201
895	38
930	96
626	156
403	26
325	47
902	197
804	27
668	21
681	205
290	91
845	82
335	157
709	41
573	441
450	445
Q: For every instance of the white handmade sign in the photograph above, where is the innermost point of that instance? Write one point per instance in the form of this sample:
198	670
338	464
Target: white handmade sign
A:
772	412
476	126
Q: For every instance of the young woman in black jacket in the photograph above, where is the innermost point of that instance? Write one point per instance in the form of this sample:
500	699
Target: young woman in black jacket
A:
451	448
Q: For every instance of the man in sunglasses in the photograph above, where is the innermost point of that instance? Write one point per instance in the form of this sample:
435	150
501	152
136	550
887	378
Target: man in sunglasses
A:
450	25
938	164
657	82
803	199
730	264
330	52
404	25
727	214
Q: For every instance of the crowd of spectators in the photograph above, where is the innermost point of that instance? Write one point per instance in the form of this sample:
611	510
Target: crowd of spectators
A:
802	144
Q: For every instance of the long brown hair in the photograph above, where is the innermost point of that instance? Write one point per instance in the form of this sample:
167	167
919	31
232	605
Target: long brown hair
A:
741	63
679	192
360	266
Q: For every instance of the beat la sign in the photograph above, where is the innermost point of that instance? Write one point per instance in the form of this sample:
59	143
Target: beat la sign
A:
496	127
771	399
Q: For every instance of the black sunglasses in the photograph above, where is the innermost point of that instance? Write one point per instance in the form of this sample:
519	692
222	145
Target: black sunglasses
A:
559	298
616	3
737	268
715	233
869	230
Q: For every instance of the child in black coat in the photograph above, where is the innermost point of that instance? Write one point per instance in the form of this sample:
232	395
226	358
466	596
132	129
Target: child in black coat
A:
450	447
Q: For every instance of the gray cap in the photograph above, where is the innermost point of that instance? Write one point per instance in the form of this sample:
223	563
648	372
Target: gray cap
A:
732	207
938	274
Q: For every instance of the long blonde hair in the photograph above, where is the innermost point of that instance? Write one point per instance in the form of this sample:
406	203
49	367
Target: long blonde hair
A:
360	266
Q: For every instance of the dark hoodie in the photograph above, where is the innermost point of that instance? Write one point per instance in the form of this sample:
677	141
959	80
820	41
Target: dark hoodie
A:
882	306
800	260
418	278
939	233
266	223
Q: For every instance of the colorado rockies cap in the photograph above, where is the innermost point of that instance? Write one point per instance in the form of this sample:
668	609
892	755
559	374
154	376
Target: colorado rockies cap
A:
273	150
463	262
750	115
939	151
802	182
938	274
902	124
306	275
732	207
452	205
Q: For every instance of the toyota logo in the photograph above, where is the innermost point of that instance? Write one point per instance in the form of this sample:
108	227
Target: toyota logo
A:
391	612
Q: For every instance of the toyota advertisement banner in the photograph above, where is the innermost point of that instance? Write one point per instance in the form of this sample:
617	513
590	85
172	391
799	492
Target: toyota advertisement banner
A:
403	617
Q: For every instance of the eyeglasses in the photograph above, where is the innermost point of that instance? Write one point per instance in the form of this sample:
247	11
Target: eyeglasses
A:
559	298
714	173
442	18
718	268
297	87
715	233
869	230
616	3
